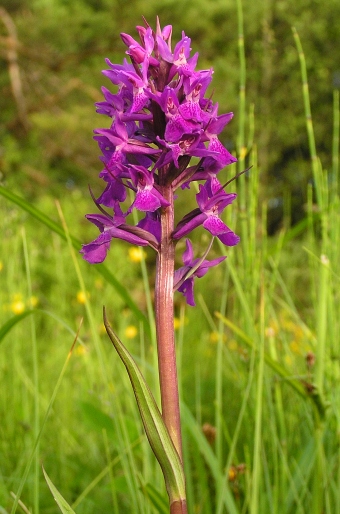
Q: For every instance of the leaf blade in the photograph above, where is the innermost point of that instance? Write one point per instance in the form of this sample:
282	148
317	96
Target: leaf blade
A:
6	327
156	431
60	500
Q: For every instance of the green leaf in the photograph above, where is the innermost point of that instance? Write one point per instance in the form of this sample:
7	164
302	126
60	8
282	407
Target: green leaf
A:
58	229
12	322
156	498
156	431
61	502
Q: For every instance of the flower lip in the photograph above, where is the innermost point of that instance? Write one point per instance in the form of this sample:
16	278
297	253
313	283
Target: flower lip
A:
148	197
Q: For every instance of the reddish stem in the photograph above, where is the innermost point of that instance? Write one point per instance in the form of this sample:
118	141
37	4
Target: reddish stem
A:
164	303
178	507
165	324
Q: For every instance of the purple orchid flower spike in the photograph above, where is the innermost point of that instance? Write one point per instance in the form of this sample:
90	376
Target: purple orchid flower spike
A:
160	118
184	277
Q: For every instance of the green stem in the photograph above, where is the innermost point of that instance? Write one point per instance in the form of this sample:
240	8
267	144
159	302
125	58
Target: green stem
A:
257	464
308	115
335	143
322	324
241	149
35	357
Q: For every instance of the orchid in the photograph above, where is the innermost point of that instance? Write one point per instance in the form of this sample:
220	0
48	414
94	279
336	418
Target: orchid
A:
207	215
159	122
161	118
184	277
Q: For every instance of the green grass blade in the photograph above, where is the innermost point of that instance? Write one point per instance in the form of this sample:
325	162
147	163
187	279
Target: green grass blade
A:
12	322
258	420
61	502
156	498
308	114
336	140
58	229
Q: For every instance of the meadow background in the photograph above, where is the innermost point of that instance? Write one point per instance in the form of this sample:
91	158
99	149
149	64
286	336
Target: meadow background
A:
259	355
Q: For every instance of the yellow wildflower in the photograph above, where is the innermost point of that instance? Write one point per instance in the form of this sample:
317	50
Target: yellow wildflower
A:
177	323
17	306
82	297
136	254
131	331
214	337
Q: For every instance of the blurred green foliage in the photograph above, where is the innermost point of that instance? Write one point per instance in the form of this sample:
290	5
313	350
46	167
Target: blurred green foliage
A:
58	49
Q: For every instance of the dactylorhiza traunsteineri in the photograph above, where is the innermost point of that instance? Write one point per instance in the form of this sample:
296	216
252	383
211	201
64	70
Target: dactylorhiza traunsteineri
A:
160	119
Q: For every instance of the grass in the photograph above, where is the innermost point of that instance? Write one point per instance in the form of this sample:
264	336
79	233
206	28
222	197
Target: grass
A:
259	362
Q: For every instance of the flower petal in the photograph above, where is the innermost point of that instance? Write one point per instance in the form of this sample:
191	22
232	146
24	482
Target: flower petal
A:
96	252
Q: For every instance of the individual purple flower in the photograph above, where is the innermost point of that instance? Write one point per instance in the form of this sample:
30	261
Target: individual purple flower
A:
147	197
118	106
182	63
188	145
208	215
184	277
139	53
114	228
176	125
120	138
191	109
115	189
96	251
